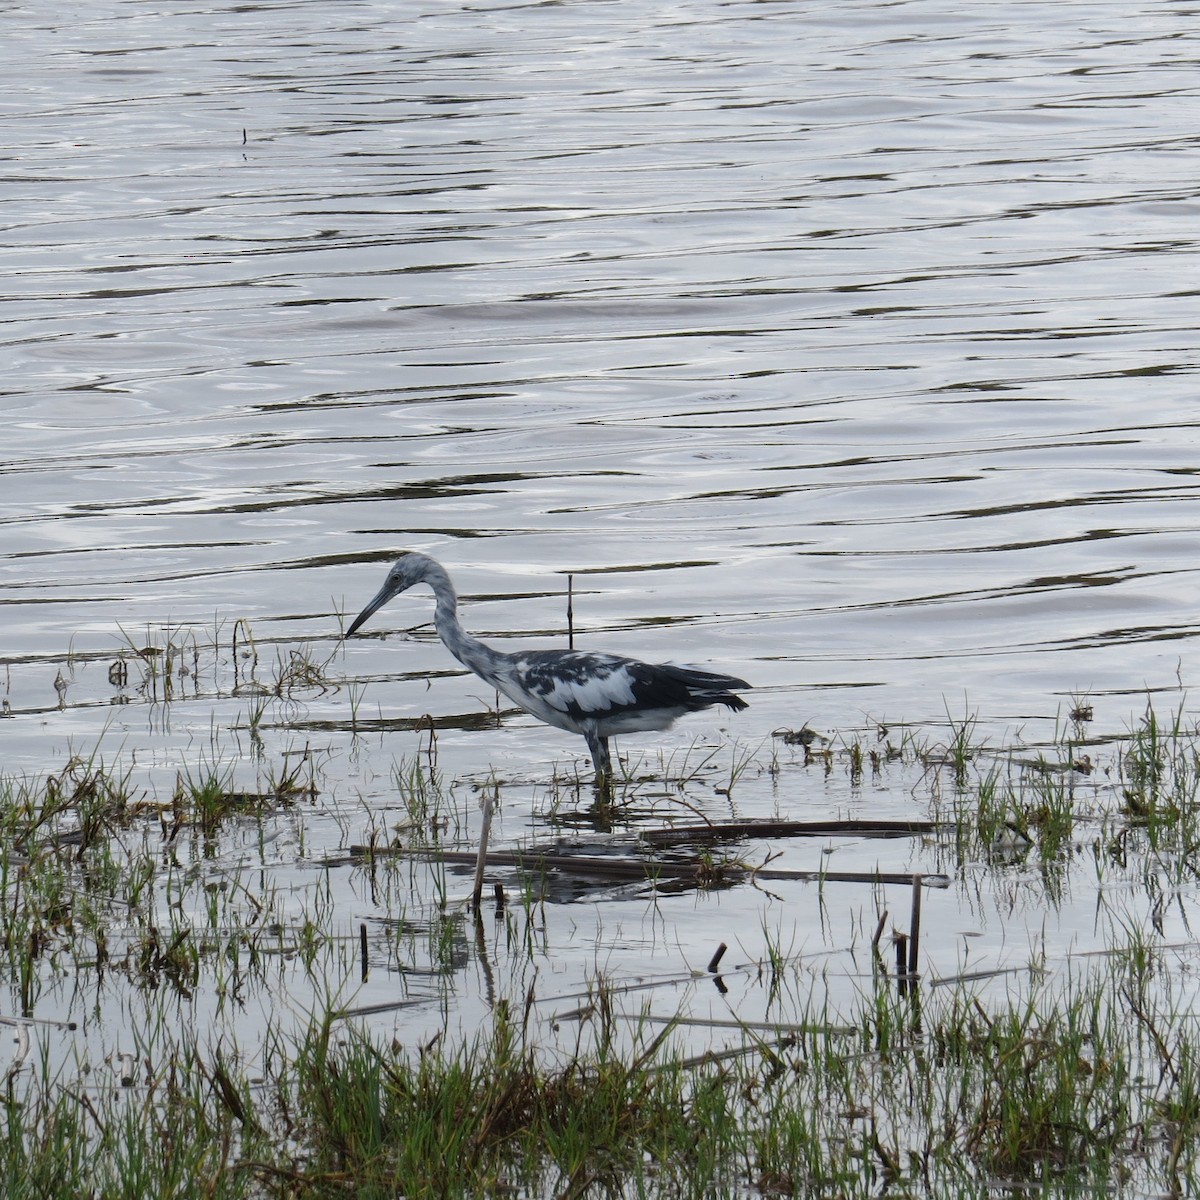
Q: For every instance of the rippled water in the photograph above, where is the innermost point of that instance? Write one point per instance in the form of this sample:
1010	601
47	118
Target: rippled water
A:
858	340
850	348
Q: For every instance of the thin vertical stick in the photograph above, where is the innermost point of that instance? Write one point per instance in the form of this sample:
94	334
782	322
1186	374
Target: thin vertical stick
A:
570	612
914	926
362	946
481	861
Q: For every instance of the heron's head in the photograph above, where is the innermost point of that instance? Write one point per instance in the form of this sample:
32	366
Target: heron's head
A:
405	571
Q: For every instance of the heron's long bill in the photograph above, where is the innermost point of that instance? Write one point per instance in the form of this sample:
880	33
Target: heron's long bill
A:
381	598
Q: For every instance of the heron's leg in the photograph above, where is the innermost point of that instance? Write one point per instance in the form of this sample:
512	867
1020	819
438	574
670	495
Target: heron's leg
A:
600	757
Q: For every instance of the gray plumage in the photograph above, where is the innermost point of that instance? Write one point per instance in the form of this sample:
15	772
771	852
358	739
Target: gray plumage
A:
591	694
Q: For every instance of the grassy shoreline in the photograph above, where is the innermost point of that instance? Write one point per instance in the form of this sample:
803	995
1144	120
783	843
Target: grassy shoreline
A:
1092	1088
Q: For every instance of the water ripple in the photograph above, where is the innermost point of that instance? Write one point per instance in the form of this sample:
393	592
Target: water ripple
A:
860	338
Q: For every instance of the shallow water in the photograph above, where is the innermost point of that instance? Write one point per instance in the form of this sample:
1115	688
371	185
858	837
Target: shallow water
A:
848	349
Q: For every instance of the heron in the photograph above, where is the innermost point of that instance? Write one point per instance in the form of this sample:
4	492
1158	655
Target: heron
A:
592	694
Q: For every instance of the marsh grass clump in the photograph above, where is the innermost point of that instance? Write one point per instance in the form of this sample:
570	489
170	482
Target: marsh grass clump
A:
62	862
1018	804
180	1132
1041	1089
208	798
1160	781
1002	806
79	803
166	664
958	750
428	812
1137	806
491	1116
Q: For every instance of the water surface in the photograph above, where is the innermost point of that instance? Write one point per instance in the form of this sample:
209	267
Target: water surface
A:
850	349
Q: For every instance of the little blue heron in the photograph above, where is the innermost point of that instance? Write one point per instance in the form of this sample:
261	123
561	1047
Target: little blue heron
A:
594	695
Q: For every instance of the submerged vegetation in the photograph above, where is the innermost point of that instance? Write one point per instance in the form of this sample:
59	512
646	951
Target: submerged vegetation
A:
223	978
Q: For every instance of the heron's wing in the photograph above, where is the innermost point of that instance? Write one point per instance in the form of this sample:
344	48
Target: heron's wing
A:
578	684
586	686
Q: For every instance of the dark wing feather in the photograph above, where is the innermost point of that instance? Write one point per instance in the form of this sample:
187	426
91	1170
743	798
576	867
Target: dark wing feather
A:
705	686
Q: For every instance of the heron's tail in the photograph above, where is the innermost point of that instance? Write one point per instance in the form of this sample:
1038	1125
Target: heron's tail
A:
707	687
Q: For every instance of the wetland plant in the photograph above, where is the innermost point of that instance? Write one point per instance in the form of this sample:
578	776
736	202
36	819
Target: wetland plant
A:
1080	1077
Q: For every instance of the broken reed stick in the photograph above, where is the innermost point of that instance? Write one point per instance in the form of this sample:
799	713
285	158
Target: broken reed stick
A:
715	961
362	948
720	830
883	916
628	868
914	925
481	858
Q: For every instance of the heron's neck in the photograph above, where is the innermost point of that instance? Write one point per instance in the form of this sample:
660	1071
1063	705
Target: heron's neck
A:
469	651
